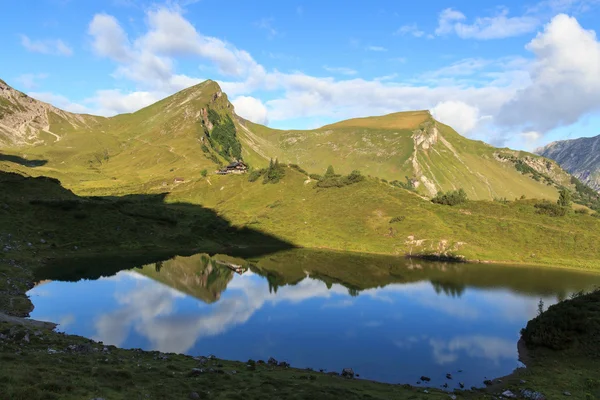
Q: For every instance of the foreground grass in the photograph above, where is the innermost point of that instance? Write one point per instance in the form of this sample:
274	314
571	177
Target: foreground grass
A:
40	364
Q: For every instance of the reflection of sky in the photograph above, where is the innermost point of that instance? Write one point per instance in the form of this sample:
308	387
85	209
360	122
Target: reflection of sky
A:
394	334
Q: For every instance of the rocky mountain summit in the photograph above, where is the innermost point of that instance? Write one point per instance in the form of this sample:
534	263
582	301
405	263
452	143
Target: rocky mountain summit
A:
580	157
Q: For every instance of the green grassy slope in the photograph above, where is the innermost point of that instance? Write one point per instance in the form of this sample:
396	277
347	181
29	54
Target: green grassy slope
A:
357	218
401	145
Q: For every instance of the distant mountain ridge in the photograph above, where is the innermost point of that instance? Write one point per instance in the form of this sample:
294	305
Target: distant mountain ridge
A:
580	157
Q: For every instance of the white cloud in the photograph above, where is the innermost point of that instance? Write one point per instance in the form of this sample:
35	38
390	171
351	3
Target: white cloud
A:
496	27
411	29
59	101
565	78
251	108
110	40
46	46
341	70
29	81
111	102
459	115
531	137
376	48
476	88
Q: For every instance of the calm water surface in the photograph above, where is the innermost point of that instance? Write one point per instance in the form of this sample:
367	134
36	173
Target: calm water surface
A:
389	319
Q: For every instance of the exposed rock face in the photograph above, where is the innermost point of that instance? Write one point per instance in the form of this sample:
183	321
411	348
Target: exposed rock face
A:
580	157
23	118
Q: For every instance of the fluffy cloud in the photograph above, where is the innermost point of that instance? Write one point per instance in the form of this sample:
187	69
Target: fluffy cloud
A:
111	102
251	108
59	101
459	115
513	95
46	46
565	78
496	27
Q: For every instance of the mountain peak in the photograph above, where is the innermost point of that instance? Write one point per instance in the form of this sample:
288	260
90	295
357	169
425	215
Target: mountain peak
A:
580	157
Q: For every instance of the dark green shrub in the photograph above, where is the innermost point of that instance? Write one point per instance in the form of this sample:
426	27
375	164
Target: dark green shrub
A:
564	199
582	211
316	177
204	172
451	198
254	175
397	219
274	173
571	323
298	168
551	209
330	179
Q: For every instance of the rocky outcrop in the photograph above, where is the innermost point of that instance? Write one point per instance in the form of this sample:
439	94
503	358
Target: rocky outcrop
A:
23	118
580	157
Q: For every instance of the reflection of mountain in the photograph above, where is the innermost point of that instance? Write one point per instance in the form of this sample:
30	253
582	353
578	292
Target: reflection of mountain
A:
199	275
206	278
363	271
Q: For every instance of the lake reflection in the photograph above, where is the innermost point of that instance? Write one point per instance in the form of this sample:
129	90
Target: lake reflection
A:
389	319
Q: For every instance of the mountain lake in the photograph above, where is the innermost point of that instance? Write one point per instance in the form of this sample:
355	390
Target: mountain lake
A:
389	319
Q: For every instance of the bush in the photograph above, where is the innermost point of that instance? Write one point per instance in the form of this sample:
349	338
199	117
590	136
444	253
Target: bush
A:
565	198
408	185
204	172
274	173
331	180
316	177
450	198
582	211
298	168
397	219
571	323
551	209
254	175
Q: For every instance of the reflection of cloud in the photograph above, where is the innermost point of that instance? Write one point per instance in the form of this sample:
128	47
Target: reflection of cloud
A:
65	320
149	309
373	324
490	348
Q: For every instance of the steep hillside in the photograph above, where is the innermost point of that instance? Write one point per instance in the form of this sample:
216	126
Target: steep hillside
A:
580	157
412	149
26	121
177	137
197	129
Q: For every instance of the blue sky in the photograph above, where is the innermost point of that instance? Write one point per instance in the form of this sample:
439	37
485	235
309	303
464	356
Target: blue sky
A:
510	73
